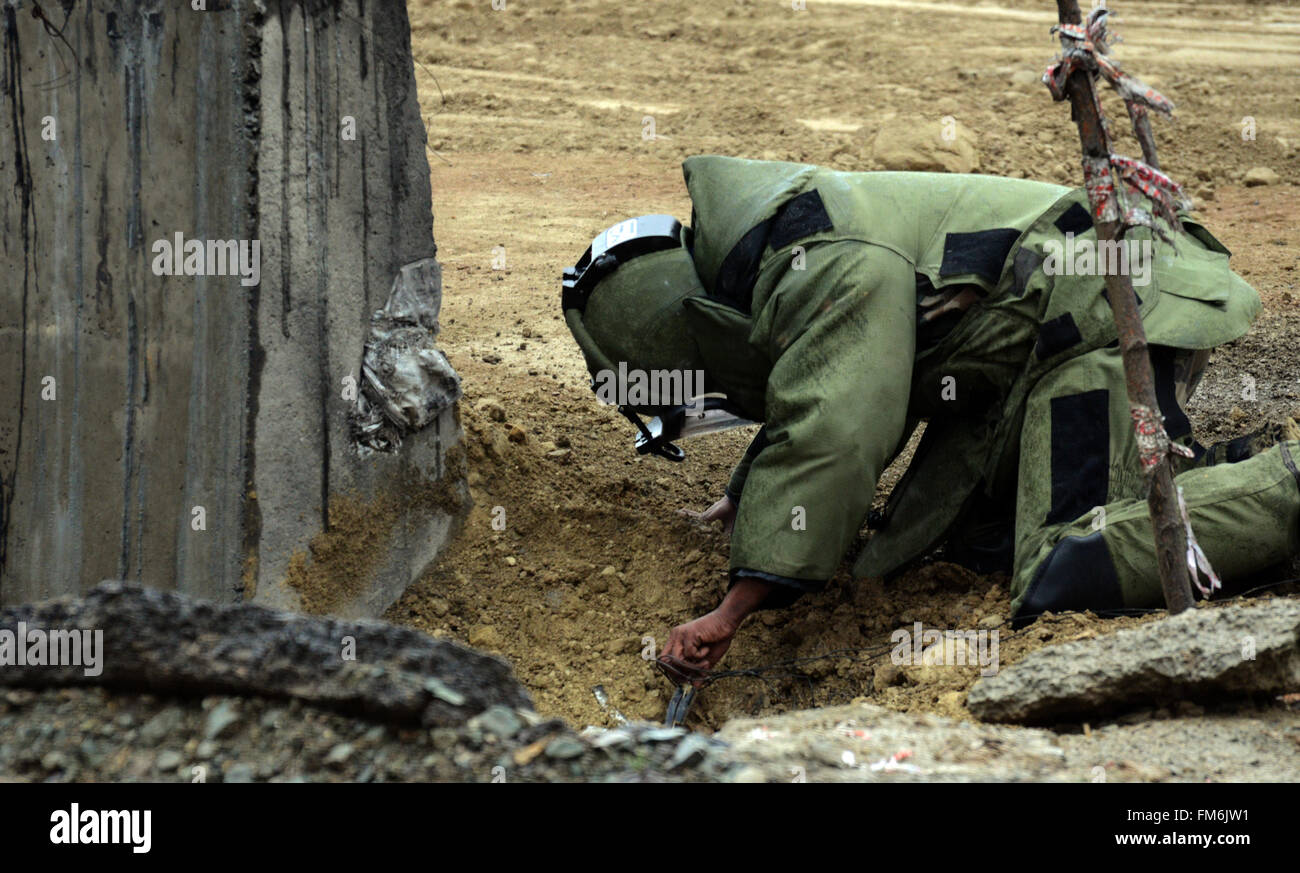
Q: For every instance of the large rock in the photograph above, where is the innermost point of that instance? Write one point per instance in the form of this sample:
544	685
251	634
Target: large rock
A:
941	146
1257	176
1203	654
165	643
191	431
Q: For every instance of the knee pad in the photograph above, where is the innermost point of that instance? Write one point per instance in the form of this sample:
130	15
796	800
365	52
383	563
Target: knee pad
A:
1077	574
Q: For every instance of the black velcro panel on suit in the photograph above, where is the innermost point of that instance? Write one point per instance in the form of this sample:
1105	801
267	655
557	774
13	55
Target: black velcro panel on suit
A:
800	217
1027	261
739	270
1162	364
1075	220
1056	336
1080	454
1077	574
981	252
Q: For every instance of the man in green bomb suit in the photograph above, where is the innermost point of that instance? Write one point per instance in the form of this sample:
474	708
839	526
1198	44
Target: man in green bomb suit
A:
841	309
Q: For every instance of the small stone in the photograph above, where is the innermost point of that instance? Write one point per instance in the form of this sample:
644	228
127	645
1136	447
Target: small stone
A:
223	717
689	751
485	636
564	747
339	754
491	408
91	754
992	621
20	696
940	659
156	729
614	739
498	720
239	773
168	760
523	757
662	734
443	738
511	561
54	761
443	692
1257	176
205	750
517	435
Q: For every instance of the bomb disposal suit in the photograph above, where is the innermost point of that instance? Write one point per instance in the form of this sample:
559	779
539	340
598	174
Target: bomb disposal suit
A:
842	309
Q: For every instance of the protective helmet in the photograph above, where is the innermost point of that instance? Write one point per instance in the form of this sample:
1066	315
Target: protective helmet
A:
624	303
623	299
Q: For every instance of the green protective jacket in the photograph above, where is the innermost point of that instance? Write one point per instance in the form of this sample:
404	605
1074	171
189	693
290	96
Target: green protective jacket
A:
809	325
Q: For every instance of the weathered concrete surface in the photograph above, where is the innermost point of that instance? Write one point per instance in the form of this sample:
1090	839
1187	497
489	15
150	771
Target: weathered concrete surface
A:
177	392
865	743
163	642
1241	650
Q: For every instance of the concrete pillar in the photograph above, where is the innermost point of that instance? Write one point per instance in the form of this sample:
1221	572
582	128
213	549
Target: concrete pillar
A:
143	406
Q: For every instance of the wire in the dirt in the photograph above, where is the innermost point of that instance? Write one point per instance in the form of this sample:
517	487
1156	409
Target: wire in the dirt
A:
56	33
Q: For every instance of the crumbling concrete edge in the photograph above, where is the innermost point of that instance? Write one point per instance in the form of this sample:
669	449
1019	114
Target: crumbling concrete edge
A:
152	641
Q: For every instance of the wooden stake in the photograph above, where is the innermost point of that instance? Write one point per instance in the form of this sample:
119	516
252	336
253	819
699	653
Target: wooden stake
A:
1170	537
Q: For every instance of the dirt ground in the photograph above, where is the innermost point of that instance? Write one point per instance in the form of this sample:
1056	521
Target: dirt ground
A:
538	115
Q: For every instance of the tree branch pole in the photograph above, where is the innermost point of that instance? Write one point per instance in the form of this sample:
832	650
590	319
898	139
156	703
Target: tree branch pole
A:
1170	537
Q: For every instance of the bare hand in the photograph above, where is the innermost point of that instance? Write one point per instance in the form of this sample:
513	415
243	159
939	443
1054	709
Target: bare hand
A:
724	510
697	646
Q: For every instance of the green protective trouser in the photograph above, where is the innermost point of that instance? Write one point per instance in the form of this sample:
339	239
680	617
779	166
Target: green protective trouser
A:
1083	535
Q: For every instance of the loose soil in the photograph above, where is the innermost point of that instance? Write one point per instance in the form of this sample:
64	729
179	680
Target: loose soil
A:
537	124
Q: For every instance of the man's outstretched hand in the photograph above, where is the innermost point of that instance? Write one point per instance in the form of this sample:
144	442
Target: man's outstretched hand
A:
724	510
694	648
